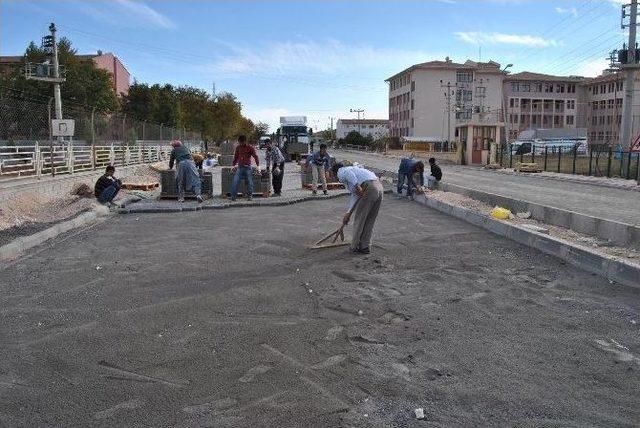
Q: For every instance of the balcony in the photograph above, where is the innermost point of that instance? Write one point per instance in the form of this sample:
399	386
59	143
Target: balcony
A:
478	118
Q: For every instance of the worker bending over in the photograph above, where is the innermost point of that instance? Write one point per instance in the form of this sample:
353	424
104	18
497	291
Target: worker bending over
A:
187	175
318	162
409	167
242	167
273	157
366	197
107	186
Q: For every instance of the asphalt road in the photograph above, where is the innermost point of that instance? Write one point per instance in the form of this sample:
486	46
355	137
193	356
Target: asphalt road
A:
226	319
602	202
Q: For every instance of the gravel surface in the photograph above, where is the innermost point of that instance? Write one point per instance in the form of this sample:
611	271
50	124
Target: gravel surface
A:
227	319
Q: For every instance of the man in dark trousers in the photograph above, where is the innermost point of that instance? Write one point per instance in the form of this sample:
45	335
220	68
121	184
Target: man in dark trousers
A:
409	167
107	186
242	167
436	174
274	158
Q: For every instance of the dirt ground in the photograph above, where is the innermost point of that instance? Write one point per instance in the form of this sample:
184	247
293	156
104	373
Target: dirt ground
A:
226	319
32	212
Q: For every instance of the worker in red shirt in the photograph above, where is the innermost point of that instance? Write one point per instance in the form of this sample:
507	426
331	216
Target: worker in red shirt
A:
242	167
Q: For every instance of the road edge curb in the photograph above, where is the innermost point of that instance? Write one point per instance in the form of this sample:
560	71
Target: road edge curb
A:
608	267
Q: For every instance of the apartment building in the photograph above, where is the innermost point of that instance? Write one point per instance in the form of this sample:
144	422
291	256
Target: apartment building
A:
542	101
448	101
605	101
376	128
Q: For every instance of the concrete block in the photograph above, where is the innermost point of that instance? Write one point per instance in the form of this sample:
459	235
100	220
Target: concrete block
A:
536	228
584	224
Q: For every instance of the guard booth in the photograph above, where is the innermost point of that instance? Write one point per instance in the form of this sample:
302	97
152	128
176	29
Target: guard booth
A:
475	133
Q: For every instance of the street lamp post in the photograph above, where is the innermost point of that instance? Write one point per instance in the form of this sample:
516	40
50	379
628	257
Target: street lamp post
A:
504	108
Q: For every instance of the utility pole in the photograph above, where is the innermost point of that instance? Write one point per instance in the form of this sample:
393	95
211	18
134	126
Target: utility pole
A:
56	73
505	116
630	68
357	111
447	95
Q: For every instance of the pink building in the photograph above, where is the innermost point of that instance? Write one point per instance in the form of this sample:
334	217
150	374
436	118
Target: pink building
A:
109	62
105	61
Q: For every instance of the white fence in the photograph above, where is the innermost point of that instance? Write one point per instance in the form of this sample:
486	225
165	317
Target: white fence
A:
46	160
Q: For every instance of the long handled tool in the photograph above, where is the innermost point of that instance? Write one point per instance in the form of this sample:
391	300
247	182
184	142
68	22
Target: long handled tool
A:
335	235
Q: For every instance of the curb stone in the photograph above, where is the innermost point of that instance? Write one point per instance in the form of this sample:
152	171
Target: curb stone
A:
18	246
609	267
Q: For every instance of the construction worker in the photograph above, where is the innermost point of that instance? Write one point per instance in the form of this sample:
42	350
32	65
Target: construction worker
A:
107	186
187	175
436	174
318	163
273	157
409	167
366	198
242	168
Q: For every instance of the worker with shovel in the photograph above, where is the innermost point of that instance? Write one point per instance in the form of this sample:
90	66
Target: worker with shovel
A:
366	198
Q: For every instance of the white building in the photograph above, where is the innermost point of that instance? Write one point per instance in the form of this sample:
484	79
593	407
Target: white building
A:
376	128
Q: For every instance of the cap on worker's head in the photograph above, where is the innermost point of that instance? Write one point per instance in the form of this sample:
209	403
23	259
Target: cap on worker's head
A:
432	160
176	143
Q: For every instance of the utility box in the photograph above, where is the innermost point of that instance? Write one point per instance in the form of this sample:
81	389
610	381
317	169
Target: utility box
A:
169	187
261	183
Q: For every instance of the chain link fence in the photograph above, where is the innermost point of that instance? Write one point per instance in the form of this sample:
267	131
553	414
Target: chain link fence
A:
23	122
26	149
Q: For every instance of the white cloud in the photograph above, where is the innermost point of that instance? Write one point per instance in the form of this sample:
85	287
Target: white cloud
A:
569	10
127	13
310	59
592	68
479	37
146	13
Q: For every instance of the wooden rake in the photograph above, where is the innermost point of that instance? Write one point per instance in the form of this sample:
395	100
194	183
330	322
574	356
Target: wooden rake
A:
333	236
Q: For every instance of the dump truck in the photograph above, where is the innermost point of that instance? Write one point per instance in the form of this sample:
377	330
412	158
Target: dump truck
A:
293	137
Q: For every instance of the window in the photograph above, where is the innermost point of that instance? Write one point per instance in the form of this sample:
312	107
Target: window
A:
603	89
571	104
594	120
619	85
413	104
571	88
412	122
610	103
515	86
538	87
594	105
603	104
619	102
601	121
595	90
570	120
609	120
559	105
560	88
464	77
534	119
548	87
525	87
512	102
413	85
612	87
556	120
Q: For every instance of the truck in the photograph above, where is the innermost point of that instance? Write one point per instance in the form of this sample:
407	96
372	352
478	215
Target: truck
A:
293	137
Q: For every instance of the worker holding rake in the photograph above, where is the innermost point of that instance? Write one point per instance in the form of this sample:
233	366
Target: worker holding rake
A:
364	203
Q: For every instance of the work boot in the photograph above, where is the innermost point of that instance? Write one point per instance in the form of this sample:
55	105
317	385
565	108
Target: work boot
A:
364	250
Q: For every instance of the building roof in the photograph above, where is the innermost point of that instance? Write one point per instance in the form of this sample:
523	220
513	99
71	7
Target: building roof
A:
490	66
13	59
606	77
364	121
527	75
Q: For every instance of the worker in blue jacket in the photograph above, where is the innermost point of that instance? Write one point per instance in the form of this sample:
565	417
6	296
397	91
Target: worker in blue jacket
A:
409	167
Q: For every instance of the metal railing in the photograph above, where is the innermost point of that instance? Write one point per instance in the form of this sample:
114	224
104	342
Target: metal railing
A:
594	161
50	160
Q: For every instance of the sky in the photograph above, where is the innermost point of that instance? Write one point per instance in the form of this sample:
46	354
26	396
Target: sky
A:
319	58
